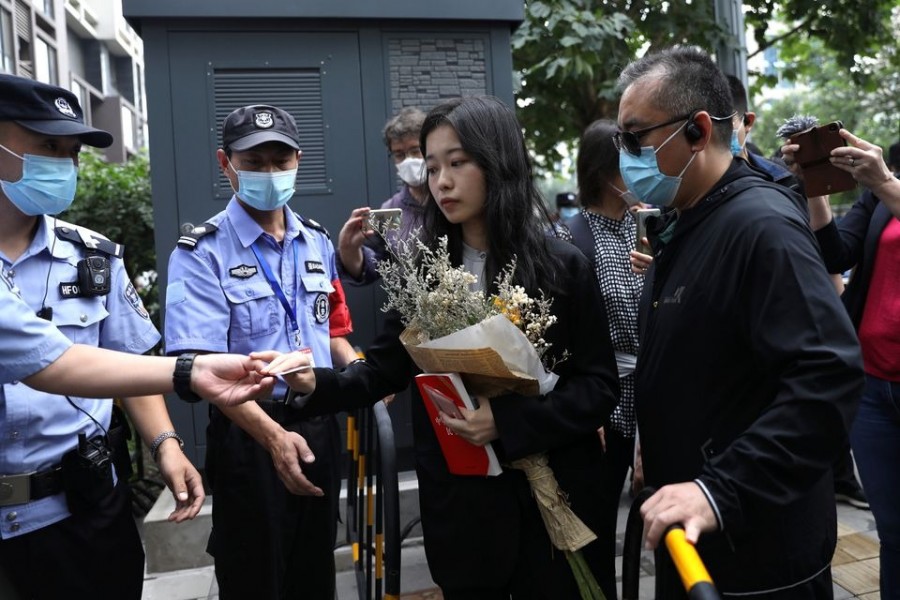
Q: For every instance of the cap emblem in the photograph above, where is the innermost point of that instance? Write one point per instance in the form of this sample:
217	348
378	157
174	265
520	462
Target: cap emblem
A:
264	120
63	107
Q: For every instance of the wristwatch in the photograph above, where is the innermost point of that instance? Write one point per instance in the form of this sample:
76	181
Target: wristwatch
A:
181	378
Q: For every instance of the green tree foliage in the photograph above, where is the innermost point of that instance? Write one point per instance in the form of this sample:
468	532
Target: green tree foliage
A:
849	31
114	199
829	94
568	53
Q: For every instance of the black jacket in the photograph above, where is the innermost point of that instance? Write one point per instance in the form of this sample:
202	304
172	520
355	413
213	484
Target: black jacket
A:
853	243
748	378
777	171
476	529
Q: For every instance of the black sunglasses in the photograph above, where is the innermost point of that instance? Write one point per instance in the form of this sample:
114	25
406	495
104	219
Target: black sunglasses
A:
631	140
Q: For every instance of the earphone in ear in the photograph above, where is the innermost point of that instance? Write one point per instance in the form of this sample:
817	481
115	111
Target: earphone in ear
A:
693	132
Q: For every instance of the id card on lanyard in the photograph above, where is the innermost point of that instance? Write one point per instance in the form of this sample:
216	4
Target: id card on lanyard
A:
279	293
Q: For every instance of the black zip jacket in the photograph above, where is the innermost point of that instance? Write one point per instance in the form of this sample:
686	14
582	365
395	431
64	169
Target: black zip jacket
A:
748	378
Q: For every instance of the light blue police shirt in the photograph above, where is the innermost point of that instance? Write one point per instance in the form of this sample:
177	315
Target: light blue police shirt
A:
29	344
36	428
218	298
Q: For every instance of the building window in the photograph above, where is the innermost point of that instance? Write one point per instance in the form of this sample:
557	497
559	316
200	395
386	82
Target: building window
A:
7	54
138	88
45	7
83	99
128	128
44	61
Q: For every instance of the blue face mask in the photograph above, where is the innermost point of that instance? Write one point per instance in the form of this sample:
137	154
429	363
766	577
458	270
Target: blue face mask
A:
736	146
643	177
567	212
265	191
47	186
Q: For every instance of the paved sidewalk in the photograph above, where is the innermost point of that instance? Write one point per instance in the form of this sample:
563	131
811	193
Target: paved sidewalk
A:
855	567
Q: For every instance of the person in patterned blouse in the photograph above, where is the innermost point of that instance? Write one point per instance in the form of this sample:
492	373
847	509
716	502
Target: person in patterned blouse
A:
605	231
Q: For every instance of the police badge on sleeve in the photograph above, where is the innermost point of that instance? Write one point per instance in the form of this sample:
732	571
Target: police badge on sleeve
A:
321	308
134	299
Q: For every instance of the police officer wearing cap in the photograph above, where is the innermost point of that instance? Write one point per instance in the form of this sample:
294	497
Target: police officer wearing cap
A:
257	277
62	502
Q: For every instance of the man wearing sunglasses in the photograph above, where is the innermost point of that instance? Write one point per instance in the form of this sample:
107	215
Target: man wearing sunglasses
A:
749	373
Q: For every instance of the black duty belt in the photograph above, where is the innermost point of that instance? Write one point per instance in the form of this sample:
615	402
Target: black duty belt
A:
19	489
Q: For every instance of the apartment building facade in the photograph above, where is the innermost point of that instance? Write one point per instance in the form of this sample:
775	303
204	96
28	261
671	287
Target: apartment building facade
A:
87	47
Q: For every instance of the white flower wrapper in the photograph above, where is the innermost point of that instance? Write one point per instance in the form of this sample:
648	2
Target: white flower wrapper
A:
499	334
494	357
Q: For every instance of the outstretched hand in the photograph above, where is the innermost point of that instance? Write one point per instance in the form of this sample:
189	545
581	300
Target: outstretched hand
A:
229	379
294	367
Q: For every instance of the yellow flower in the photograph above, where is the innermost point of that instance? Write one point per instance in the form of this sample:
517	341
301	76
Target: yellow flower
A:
512	314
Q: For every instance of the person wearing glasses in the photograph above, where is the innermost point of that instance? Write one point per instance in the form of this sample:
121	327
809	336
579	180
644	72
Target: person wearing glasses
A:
749	373
359	247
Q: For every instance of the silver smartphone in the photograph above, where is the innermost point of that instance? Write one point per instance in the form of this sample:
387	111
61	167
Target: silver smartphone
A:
383	219
640	217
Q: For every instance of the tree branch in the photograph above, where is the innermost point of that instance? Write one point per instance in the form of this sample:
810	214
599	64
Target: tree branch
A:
777	39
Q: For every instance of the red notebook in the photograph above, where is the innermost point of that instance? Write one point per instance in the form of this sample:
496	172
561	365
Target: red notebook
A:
446	390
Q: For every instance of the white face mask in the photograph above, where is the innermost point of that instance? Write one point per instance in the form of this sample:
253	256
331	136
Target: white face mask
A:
627	196
412	171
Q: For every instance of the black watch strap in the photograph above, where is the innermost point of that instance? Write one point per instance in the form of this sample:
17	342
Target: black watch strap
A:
181	378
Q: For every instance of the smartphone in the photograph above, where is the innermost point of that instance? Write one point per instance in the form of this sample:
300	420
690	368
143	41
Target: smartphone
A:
820	177
383	219
640	217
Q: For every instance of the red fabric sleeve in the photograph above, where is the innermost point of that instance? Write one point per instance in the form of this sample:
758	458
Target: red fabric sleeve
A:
339	321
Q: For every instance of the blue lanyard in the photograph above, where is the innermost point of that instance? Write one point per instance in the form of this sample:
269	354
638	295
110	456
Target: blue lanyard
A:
276	288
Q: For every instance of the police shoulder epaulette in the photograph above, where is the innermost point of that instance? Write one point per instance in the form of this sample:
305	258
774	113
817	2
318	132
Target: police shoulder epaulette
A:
89	239
191	234
314	225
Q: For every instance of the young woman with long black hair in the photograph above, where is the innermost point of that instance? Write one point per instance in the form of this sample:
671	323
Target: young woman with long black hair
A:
484	537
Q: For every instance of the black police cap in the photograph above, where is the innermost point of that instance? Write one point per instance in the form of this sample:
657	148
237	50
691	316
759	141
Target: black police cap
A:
46	109
251	126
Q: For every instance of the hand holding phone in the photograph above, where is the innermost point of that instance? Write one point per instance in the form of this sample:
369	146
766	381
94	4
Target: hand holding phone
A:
640	217
820	177
384	219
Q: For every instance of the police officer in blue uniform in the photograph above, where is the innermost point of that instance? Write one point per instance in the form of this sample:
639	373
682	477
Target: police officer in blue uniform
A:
256	277
61	501
30	344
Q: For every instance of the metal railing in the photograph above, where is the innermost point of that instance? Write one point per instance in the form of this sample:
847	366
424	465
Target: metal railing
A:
373	503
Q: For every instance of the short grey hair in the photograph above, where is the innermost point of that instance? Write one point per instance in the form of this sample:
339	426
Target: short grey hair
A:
406	123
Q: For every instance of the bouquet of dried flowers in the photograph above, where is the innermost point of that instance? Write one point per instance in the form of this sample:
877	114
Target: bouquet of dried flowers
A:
497	344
